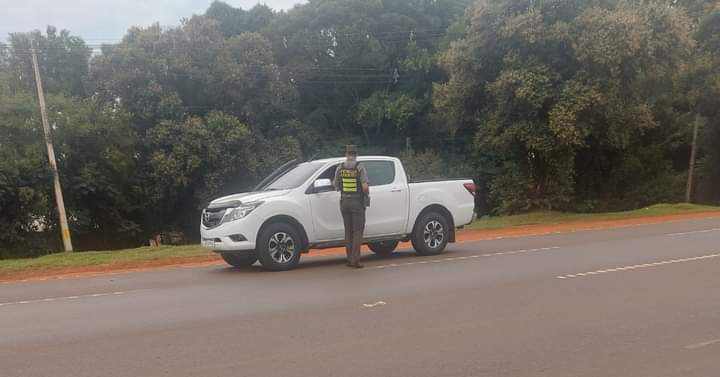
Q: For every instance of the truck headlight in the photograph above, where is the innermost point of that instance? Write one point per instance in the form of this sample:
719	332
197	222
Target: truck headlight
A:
240	212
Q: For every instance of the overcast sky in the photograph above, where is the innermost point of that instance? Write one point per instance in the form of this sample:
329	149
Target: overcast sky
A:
106	20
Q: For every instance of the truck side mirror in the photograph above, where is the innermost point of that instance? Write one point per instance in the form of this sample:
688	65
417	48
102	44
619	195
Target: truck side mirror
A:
323	185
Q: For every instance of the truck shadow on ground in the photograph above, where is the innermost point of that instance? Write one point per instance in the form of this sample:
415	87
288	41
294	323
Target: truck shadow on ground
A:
310	262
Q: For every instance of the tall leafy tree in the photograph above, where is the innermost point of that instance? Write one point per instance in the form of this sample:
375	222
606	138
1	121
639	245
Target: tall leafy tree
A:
364	69
235	21
705	94
24	178
95	149
62	58
195	160
553	88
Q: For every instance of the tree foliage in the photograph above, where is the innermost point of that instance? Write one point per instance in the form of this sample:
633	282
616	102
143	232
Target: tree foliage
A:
553	89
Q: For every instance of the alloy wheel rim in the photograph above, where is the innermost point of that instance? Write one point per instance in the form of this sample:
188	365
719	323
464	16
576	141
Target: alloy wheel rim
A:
434	234
281	247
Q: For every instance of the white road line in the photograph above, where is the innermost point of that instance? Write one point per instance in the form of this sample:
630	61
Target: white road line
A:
52	299
450	259
703	344
636	266
693	232
378	303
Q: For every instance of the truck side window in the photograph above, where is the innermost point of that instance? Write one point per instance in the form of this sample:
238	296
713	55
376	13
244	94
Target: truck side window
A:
380	172
329	173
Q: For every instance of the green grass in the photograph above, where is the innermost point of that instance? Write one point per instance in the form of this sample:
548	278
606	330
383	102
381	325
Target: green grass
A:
535	218
98	258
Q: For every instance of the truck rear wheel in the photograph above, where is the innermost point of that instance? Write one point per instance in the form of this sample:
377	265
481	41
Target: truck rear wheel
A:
239	260
431	234
279	247
383	248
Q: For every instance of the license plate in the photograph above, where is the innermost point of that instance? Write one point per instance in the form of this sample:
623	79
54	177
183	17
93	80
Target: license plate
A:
208	243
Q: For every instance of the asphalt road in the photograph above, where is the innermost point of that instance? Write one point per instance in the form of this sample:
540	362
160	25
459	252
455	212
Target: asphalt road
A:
630	302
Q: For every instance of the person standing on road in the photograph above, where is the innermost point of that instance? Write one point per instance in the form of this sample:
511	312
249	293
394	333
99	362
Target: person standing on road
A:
351	180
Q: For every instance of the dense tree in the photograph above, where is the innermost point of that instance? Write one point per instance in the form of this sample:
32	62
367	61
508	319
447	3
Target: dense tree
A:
24	177
235	21
553	88
195	160
63	62
95	150
706	97
365	65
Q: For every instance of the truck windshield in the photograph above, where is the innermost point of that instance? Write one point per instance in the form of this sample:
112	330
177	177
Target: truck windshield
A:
294	177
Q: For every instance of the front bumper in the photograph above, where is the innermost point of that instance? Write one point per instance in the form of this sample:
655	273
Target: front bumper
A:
239	235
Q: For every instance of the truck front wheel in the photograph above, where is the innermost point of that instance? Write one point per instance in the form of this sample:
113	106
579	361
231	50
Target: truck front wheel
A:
431	234
279	247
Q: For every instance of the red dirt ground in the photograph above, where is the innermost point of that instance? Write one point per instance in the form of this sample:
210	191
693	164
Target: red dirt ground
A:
465	235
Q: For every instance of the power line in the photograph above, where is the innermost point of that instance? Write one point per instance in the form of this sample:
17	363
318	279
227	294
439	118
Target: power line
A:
362	34
345	38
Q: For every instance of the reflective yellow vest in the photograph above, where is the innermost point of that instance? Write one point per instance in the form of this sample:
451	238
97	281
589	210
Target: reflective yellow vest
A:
350	180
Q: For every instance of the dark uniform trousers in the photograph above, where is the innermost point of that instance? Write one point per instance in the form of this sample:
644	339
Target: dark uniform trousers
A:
353	213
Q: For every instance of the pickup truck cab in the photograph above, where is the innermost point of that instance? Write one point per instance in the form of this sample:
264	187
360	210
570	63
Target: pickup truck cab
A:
297	209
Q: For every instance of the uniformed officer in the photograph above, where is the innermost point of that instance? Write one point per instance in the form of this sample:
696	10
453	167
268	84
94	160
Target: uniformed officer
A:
351	180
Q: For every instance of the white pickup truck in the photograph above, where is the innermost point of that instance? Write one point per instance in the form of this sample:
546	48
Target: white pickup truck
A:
297	209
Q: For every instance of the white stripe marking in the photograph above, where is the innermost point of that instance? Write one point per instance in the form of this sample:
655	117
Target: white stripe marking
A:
702	344
693	232
633	267
52	299
375	304
451	259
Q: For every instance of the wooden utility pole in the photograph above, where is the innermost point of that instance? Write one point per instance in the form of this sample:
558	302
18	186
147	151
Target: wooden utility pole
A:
67	242
693	153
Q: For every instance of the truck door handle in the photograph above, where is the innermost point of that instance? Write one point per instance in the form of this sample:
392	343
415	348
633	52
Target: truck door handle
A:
395	189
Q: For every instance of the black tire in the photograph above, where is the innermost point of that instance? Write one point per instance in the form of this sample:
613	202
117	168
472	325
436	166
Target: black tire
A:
383	248
431	234
239	260
279	246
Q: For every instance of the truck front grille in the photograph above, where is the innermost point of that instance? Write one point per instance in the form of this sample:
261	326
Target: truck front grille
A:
212	218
